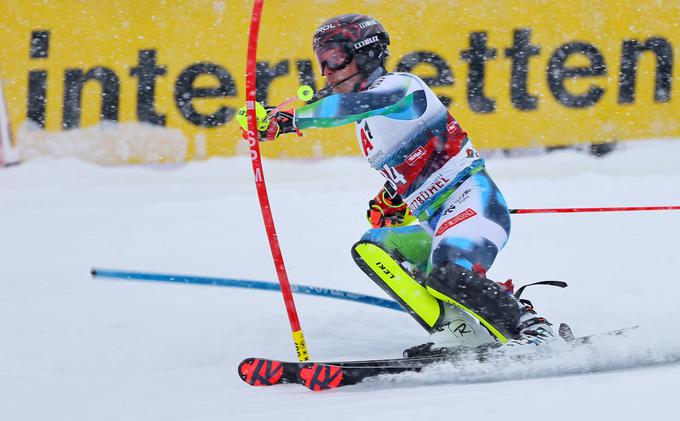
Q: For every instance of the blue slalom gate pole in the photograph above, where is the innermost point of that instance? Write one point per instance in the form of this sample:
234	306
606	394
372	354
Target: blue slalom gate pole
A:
243	283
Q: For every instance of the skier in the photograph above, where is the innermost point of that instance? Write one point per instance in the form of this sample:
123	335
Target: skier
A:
436	269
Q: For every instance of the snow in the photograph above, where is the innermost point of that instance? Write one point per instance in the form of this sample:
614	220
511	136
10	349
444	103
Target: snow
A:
74	348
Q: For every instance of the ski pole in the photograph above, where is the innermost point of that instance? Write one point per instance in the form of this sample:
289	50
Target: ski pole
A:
609	209
298	337
304	93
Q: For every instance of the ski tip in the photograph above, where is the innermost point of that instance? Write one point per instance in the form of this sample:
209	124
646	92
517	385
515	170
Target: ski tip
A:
260	372
318	377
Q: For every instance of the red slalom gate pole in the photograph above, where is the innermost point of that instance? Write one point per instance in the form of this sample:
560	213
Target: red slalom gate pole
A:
298	337
613	209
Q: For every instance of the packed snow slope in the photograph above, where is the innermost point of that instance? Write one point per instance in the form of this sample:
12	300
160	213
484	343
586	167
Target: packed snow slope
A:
74	348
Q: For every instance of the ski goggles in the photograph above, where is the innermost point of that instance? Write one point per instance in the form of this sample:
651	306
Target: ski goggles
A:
333	57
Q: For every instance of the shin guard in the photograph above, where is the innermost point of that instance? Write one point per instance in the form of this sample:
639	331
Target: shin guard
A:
398	283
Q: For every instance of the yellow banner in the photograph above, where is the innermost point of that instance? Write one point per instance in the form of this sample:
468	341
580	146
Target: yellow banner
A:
515	74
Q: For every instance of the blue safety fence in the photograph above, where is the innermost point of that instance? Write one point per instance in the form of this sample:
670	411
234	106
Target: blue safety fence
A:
244	283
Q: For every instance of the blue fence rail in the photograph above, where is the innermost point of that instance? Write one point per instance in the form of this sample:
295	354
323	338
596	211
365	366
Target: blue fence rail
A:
244	283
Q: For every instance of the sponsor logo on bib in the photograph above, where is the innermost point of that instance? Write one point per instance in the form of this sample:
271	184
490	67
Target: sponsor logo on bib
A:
466	214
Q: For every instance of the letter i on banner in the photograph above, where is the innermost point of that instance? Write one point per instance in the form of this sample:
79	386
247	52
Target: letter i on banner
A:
8	155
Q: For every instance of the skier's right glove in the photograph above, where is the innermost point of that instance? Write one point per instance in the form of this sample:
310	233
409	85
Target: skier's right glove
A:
270	125
385	211
279	123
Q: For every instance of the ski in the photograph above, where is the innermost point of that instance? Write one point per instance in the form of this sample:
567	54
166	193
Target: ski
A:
267	372
319	376
324	376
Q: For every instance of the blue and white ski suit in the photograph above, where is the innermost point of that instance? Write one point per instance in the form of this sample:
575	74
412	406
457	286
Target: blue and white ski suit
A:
408	135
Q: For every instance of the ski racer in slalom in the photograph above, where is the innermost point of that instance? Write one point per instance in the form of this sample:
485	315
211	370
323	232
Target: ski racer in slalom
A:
435	268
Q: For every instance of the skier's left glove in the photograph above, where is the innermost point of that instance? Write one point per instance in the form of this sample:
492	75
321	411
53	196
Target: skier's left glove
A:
385	211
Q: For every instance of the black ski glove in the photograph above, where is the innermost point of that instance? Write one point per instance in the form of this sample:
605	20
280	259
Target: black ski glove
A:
279	123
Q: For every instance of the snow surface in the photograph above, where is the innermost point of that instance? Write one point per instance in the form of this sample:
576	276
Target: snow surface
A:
74	348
